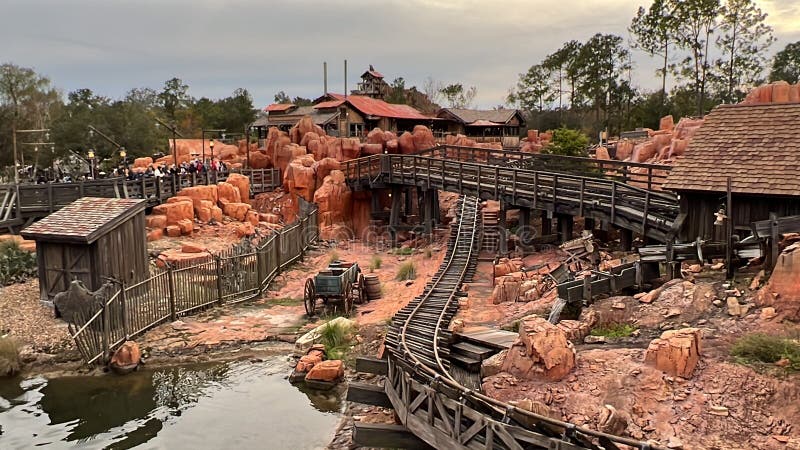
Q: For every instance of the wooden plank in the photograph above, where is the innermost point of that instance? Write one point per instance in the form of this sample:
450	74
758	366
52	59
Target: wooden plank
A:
379	435
368	394
368	364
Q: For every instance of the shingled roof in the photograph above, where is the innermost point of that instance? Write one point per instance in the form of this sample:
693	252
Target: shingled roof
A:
471	116
758	146
84	220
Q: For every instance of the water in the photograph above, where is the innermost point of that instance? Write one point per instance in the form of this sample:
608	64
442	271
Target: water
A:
238	405
555	313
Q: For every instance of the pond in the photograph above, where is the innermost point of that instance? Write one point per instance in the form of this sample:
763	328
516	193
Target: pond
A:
208	406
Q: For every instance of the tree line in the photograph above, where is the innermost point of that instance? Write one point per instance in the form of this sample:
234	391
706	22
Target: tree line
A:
710	51
30	101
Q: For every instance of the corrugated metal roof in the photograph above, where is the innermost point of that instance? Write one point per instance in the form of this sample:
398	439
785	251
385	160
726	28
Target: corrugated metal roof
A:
469	116
379	108
329	104
758	146
84	220
484	123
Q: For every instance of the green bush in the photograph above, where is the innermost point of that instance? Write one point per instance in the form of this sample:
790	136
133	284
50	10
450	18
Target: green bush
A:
375	263
614	330
407	271
568	142
403	251
16	264
337	338
759	348
9	356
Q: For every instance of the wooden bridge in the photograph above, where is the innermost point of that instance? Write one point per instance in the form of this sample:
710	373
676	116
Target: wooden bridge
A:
21	204
588	190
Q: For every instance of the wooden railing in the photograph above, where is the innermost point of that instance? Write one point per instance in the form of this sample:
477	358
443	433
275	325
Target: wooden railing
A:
648	176
650	213
36	200
239	274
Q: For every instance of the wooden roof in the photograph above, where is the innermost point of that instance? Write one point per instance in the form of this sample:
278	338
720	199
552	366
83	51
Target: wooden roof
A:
85	220
493	117
758	146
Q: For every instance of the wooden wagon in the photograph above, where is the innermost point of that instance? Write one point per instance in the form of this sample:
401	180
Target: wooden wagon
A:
341	282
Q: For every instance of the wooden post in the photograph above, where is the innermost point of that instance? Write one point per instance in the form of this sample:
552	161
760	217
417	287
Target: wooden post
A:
625	239
124	306
773	240
218	267
173	315
547	224
394	214
565	226
106	332
729	231
503	228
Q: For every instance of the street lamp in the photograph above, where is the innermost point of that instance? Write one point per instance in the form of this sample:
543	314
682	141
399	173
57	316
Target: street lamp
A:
211	146
14	132
203	139
124	156
174	129
90	154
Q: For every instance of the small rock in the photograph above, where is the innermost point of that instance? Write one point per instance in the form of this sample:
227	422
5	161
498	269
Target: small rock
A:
783	362
409	282
695	268
780	438
717	303
718	411
618	305
673	312
734	309
717	266
768	313
639	295
674	443
594	339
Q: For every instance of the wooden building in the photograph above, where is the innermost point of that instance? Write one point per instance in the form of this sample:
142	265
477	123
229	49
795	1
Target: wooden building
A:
482	123
90	240
758	147
372	85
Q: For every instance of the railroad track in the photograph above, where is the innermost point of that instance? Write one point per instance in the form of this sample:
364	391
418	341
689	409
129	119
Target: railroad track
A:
418	333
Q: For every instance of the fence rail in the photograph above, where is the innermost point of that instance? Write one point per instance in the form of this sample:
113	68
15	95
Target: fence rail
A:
239	274
22	201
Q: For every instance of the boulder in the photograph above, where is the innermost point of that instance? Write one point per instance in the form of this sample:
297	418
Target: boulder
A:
244	229
179	198
318	148
782	291
199	193
286	154
406	143
324	167
506	266
203	213
602	153
780	92
541	352
260	160
506	289
371	149
142	163
228	193
158	221
154	235
376	136
392	146
175	212
236	211
304	126
493	364
350	149
423	138
216	214
173	230
242	183
334	199
299	177
676	352
307	362
126	358
666	123
186	226
624	149
252	217
193	248
331	370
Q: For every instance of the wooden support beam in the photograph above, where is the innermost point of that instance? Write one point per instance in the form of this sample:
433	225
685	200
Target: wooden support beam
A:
565	226
394	215
502	228
368	394
382	435
368	364
547	224
625	239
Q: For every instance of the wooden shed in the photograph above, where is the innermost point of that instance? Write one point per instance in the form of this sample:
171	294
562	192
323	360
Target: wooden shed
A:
90	240
758	147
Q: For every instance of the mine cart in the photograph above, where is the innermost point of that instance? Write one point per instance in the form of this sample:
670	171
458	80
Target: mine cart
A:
341	282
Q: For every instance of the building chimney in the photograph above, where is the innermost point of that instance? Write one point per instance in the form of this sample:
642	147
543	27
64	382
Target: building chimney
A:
325	77
345	78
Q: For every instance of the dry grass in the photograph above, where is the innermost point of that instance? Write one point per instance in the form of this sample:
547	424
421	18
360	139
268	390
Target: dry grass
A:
9	356
407	271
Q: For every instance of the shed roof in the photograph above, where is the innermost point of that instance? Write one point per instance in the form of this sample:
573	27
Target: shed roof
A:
279	107
85	220
319	117
758	146
470	116
374	107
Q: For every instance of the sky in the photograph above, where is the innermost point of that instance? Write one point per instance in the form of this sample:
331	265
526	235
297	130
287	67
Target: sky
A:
265	46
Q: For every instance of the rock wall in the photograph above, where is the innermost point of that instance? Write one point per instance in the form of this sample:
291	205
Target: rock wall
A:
782	291
777	92
541	352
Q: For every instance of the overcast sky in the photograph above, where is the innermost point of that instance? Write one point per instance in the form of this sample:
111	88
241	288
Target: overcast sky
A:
265	46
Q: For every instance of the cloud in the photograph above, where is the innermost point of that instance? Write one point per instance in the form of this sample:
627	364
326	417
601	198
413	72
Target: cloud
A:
216	46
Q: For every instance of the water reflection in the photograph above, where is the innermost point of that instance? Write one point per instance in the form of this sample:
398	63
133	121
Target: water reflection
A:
244	405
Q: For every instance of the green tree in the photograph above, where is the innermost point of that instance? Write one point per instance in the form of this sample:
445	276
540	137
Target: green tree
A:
457	96
564	67
744	41
397	91
532	88
786	65
302	101
174	97
695	21
653	32
603	60
282	98
568	142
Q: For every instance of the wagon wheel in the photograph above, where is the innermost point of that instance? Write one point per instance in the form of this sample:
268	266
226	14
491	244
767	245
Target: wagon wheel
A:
362	289
310	297
347	298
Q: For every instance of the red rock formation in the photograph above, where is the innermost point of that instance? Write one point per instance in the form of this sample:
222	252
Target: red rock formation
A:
299	178
542	351
175	212
157	221
782	291
228	193
242	183
406	143
423	138
777	92
331	370
301	128
260	160
677	352
155	234
324	167
186	226
286	154
173	230
335	205
236	211
126	358
199	193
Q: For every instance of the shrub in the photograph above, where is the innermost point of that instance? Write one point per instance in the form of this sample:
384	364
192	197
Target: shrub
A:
15	264
375	263
614	330
337	338
403	251
428	253
568	142
407	271
759	348
333	256
9	356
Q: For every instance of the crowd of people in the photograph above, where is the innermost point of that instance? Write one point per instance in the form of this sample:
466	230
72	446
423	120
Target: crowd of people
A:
162	170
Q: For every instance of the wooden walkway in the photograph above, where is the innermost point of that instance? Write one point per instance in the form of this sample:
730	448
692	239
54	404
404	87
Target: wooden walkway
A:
650	213
21	204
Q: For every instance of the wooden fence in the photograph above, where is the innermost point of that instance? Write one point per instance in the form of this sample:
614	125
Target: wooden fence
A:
20	202
239	274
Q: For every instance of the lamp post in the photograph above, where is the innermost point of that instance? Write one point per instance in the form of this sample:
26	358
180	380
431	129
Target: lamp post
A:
203	139
123	155
90	154
21	156
211	146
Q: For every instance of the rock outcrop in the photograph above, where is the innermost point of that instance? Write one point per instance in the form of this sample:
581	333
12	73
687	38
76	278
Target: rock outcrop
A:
335	206
676	352
782	291
541	352
330	371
